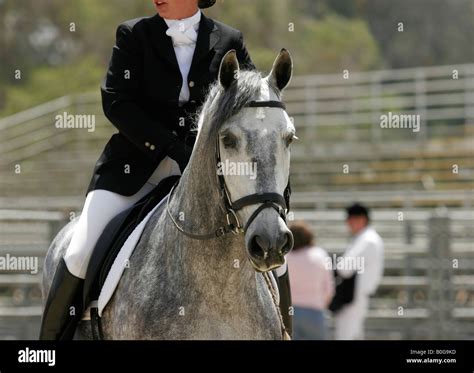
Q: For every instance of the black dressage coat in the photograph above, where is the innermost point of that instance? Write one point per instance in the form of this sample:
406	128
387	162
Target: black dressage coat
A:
140	97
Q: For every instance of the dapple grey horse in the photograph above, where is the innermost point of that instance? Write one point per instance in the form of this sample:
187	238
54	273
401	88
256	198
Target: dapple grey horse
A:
179	287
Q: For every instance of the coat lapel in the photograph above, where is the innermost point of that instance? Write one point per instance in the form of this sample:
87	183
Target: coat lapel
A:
208	37
162	43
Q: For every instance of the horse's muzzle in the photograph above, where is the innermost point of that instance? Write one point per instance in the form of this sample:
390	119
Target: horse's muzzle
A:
267	245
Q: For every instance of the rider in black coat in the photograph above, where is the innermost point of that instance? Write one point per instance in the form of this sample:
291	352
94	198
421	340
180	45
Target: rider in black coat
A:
145	107
140	97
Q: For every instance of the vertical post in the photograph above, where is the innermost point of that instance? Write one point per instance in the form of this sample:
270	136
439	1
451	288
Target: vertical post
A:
469	197
468	98
78	108
310	105
420	103
440	290
408	232
352	128
355	126
375	92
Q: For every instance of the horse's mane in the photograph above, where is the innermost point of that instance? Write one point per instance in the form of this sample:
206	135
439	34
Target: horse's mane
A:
221	104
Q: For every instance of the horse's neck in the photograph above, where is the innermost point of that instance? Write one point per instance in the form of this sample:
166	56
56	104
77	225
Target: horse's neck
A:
220	264
197	196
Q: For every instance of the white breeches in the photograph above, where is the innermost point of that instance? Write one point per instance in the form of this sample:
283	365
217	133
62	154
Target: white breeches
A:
100	207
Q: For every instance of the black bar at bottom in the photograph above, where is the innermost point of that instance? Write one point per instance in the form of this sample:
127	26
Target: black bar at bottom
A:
318	356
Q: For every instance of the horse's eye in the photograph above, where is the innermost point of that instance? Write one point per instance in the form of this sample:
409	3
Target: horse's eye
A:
229	141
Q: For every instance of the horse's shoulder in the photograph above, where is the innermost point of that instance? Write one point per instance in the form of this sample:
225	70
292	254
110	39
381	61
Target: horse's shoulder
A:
153	225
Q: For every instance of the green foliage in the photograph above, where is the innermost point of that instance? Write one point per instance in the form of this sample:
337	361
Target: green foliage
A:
47	83
331	45
319	40
328	36
435	32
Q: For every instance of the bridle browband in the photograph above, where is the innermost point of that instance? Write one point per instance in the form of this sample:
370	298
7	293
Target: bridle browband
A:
281	203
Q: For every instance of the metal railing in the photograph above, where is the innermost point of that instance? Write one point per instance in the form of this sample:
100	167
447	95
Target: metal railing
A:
419	275
323	107
33	131
314	101
439	94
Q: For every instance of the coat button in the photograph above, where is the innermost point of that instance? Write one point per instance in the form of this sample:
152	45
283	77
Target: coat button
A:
147	144
191	84
152	147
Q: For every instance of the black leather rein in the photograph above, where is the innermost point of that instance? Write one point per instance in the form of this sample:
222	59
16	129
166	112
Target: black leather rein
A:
281	203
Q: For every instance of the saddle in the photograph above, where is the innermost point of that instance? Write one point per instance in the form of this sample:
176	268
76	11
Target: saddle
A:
115	234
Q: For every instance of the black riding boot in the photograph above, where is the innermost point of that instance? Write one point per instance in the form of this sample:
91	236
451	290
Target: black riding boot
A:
64	307
285	302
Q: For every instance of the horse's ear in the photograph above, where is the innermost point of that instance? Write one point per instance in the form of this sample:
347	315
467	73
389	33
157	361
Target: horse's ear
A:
229	69
282	70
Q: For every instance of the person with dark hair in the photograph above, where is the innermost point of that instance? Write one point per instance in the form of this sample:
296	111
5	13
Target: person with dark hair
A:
312	285
364	260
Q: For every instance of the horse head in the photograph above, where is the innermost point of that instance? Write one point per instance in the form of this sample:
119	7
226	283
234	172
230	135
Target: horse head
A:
253	157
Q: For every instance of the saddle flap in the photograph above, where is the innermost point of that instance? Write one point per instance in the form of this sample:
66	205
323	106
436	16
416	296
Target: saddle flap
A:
115	234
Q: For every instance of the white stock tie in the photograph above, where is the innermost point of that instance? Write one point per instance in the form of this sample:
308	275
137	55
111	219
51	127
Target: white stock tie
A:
180	35
184	35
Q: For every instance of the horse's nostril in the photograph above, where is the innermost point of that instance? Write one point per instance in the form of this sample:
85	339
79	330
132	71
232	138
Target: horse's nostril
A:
256	249
287	243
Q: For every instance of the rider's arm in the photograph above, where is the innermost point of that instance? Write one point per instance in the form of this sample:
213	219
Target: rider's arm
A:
119	92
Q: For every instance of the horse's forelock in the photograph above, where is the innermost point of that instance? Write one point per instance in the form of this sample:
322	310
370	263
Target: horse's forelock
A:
221	104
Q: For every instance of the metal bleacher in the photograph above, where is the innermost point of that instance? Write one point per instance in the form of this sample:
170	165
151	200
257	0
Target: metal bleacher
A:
343	155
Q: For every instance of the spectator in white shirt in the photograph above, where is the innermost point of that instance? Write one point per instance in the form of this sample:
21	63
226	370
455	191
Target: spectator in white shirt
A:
366	248
312	284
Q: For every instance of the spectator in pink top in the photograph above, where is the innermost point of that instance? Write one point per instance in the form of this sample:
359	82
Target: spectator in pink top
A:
312	284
